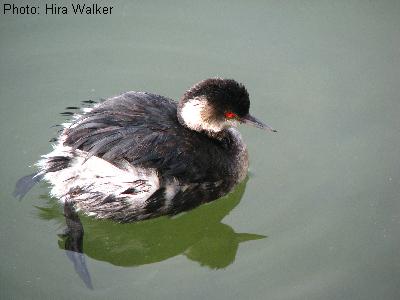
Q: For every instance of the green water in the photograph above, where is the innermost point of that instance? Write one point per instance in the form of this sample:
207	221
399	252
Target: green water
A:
319	215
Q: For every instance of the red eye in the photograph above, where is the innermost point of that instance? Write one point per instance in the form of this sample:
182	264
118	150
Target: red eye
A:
230	115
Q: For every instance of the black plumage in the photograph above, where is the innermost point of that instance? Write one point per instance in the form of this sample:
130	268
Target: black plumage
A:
143	130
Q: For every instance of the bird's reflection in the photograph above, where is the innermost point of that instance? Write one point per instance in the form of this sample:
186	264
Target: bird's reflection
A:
199	234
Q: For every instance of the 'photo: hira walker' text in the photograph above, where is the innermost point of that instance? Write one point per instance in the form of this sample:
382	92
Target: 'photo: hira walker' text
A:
56	9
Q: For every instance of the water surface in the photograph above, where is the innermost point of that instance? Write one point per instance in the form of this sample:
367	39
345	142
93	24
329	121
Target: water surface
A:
319	215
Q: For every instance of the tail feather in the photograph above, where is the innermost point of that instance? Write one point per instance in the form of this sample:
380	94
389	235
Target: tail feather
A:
26	183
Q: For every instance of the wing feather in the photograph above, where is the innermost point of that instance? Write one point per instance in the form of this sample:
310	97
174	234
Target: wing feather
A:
142	129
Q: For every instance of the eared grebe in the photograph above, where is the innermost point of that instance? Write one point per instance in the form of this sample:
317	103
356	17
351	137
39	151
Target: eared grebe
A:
140	155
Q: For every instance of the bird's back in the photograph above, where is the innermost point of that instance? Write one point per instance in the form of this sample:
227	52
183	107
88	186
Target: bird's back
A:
143	130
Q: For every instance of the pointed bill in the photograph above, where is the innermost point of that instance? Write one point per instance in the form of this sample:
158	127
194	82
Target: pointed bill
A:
250	120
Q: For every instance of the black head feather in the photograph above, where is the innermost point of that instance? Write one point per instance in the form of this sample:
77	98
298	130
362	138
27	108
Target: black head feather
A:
222	94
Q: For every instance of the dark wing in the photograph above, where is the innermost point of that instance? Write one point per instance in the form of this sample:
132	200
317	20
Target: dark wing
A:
143	130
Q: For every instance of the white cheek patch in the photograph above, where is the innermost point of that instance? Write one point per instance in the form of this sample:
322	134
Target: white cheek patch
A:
191	114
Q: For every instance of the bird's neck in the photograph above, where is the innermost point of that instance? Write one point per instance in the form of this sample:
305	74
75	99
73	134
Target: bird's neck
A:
235	146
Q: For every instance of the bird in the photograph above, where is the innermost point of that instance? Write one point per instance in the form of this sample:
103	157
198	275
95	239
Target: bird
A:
139	155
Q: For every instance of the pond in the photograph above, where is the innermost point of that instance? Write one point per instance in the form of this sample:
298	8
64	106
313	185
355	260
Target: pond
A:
319	213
